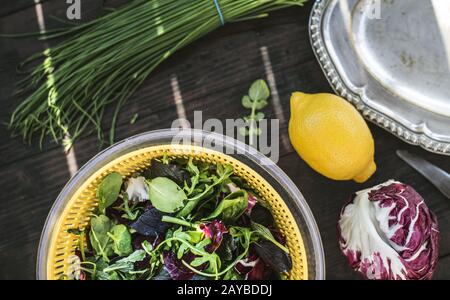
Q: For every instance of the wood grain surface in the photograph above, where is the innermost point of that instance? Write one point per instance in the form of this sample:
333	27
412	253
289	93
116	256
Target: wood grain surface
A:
212	75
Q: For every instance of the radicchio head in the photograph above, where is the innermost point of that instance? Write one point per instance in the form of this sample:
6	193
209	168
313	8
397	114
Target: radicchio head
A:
388	232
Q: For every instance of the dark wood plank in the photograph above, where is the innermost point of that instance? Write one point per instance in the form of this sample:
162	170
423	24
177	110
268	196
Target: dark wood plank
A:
9	7
287	44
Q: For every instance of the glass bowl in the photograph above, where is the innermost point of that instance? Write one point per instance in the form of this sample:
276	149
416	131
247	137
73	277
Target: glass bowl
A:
221	147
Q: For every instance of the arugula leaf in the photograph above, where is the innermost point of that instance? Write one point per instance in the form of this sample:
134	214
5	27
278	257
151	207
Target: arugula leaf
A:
166	195
126	264
224	173
130	213
232	274
98	236
231	207
194	171
122	240
108	190
265	233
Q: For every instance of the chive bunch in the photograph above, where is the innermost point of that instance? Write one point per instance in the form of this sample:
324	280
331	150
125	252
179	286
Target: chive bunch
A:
104	61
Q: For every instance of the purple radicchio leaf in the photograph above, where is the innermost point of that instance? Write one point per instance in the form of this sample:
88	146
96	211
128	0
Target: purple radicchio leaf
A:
244	266
388	232
251	202
175	267
214	231
261	271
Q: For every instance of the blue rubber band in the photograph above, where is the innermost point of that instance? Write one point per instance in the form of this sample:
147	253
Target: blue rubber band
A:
219	12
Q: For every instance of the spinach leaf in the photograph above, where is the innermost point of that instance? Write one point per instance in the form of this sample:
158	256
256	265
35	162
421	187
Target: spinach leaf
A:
166	195
126	264
150	223
174	172
261	215
98	236
231	207
272	255
108	190
122	240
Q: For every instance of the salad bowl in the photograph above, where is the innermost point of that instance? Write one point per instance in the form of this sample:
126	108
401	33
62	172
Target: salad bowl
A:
77	201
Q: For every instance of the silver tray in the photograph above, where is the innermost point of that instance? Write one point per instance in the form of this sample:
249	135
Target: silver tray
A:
391	59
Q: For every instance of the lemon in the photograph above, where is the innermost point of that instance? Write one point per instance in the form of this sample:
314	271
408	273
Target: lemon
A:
331	136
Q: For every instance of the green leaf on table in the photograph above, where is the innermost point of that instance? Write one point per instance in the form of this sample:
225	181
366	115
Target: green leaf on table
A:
244	131
259	90
231	207
256	100
260	104
121	240
100	241
108	190
247	102
166	195
259	116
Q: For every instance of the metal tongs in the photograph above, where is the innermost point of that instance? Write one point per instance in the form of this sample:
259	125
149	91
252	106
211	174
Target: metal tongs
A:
438	177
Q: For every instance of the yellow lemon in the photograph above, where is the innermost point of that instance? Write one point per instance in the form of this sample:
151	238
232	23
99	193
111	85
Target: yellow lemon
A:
331	136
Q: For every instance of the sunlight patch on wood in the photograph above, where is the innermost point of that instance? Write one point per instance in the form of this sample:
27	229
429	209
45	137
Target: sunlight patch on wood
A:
178	99
275	97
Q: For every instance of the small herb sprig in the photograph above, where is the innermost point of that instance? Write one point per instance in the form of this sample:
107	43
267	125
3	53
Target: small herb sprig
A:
257	97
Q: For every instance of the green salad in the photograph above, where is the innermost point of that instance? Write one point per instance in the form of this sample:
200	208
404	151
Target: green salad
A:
179	219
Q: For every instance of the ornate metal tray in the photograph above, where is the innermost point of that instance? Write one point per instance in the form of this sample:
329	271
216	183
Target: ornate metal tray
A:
391	59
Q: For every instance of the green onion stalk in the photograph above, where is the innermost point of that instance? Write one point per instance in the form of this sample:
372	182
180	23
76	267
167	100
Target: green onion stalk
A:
103	62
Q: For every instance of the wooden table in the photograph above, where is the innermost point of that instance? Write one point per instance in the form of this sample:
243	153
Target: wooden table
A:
211	75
